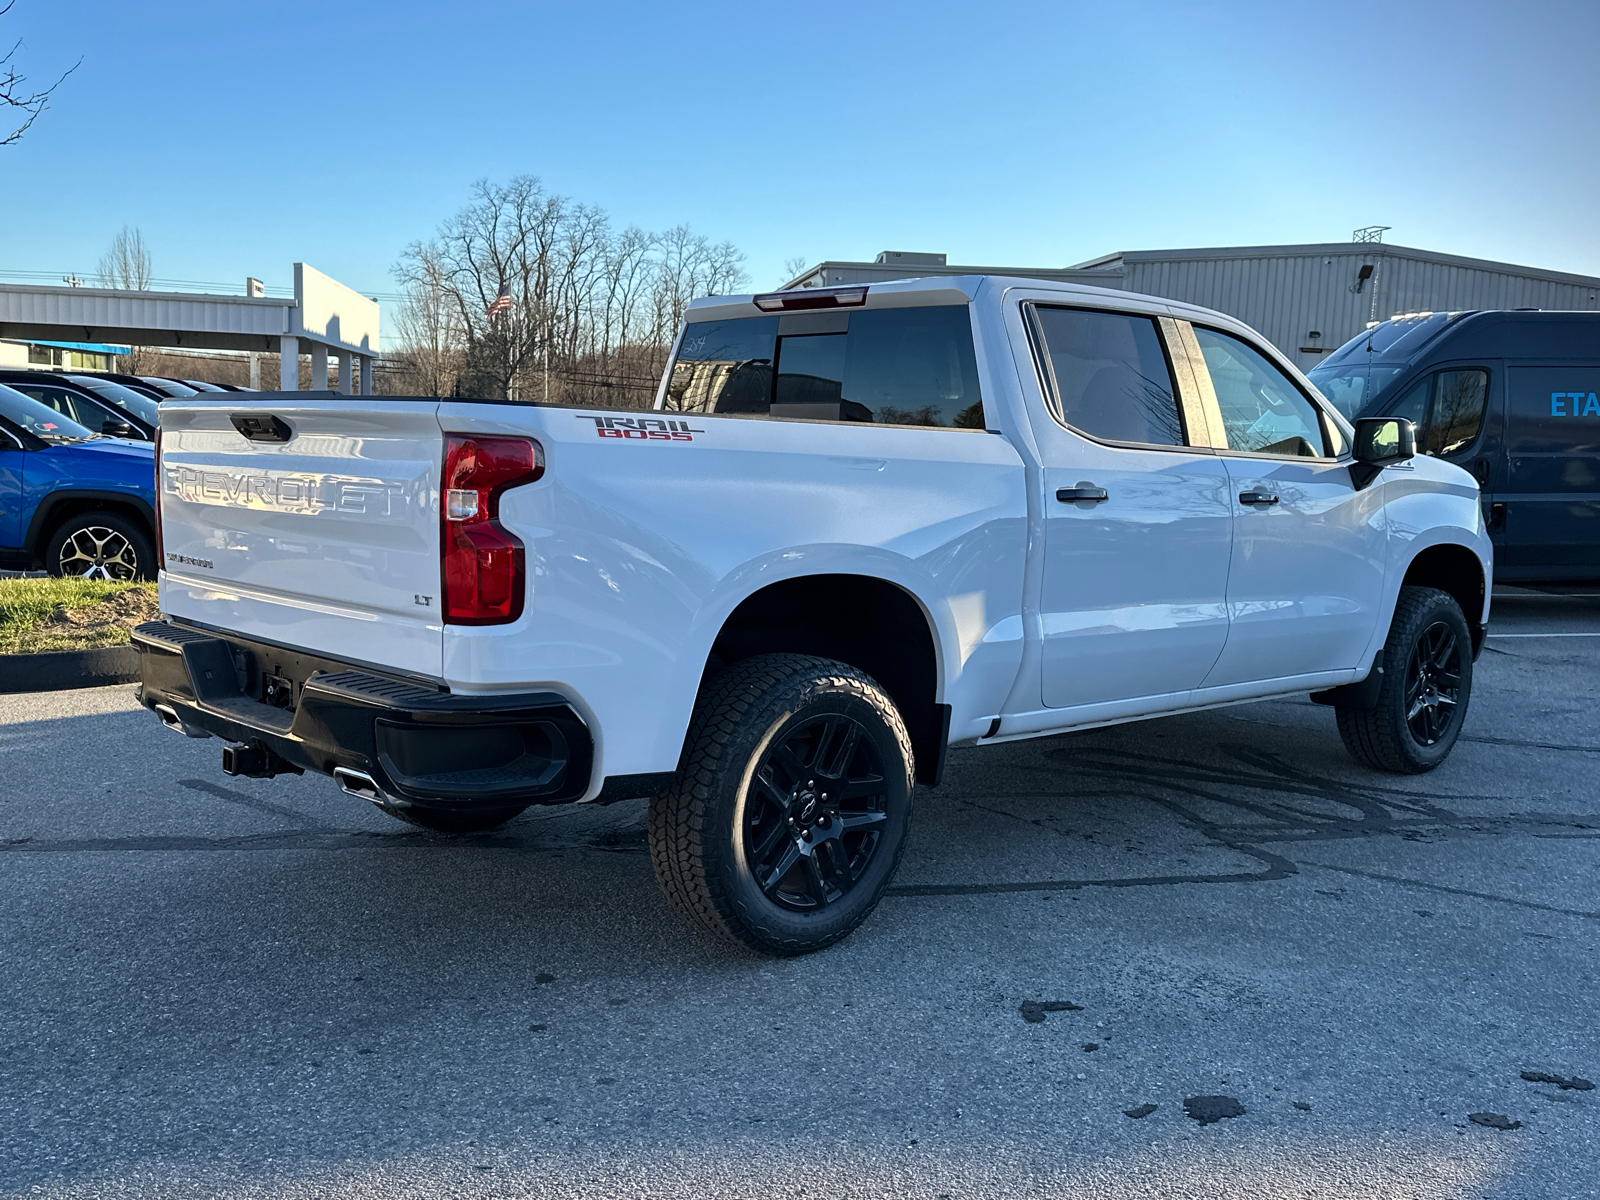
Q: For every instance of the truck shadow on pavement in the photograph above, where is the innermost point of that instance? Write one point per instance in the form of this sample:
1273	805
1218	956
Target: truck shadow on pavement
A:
1229	796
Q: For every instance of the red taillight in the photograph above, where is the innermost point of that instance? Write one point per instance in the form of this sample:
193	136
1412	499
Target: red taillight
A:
481	565
161	557
800	298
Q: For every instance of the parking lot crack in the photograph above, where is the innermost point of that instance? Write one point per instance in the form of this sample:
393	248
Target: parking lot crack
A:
1454	891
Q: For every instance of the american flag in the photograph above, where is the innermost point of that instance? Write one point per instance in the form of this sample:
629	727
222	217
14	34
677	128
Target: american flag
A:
502	302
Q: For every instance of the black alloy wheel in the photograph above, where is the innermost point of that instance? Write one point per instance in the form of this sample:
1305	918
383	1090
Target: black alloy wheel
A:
815	814
1433	684
791	806
1425	685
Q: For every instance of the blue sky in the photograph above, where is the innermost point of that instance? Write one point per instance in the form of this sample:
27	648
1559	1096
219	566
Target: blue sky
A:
240	137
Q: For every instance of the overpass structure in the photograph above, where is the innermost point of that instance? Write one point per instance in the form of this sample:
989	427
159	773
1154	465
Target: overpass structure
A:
324	317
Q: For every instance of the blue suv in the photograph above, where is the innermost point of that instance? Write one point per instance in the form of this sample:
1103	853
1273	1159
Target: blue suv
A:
71	500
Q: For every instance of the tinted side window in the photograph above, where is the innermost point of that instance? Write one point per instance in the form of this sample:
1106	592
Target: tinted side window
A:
1413	406
1109	375
68	404
1459	399
1262	411
914	366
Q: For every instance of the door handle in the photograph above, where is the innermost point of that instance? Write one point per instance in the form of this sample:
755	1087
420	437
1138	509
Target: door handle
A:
1258	497
1083	492
1481	470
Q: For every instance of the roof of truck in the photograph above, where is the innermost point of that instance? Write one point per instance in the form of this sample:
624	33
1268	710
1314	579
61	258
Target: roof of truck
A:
952	289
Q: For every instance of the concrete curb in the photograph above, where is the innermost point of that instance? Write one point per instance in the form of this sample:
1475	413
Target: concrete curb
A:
59	670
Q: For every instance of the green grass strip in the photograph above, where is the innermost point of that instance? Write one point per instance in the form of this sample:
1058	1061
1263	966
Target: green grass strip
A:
26	605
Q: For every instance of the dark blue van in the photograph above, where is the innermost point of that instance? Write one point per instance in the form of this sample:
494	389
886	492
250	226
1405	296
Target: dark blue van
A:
1511	396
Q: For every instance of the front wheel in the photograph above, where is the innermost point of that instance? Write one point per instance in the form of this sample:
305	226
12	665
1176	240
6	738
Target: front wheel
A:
791	808
1427	682
101	545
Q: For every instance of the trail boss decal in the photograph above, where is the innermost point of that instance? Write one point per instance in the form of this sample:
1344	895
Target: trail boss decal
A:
649	429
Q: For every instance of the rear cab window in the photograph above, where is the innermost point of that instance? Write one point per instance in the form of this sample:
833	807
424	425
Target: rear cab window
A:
886	366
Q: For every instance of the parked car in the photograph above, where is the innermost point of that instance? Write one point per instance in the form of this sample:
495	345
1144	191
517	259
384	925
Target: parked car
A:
134	383
200	385
861	524
170	389
71	500
1511	396
99	405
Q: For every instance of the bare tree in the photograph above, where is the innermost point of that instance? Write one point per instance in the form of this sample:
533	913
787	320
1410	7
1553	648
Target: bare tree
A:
531	296
429	333
15	95
127	263
792	268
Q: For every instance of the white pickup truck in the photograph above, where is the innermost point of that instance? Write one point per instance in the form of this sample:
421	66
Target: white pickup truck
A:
858	526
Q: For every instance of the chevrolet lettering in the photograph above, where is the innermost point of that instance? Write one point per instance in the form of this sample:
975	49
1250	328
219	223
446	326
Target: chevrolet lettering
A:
290	493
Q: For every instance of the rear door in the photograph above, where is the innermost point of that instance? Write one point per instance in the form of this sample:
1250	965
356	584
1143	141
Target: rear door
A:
1137	517
1552	494
322	535
1309	548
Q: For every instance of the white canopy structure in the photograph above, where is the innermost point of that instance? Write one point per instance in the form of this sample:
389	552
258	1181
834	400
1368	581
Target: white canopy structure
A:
324	316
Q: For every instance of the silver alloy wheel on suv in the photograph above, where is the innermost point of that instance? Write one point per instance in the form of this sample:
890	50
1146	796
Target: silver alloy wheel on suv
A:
101	545
98	552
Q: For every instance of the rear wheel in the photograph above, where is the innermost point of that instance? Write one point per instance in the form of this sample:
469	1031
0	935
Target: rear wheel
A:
101	545
442	820
792	807
1427	682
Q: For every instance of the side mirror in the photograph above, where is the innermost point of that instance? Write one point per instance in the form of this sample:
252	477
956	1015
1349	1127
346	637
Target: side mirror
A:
118	429
1381	442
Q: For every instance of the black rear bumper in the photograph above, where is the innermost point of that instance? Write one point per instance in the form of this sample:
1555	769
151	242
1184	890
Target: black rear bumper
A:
418	745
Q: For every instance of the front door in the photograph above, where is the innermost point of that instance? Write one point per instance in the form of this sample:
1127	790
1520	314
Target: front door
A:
1455	419
1307	573
1137	520
12	457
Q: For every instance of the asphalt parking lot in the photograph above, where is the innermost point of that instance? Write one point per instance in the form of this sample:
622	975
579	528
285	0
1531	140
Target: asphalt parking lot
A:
212	986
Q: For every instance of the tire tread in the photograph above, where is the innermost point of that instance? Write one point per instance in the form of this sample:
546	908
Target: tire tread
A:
1372	736
681	825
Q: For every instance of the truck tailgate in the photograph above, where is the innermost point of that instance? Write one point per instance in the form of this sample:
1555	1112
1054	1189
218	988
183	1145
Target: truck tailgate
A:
321	534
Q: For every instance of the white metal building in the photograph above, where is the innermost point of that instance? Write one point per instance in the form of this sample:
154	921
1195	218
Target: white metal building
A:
1308	300
323	318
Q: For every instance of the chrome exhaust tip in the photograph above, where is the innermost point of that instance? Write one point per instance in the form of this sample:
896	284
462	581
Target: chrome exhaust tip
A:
359	784
171	720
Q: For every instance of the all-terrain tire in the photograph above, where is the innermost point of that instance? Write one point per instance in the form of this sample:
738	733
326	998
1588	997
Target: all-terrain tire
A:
746	719
442	820
101	545
1385	737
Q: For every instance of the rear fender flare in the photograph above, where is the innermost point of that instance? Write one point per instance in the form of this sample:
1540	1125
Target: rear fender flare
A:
44	521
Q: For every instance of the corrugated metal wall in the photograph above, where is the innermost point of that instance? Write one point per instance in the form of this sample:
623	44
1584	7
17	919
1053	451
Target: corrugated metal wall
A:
1290	292
1288	296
